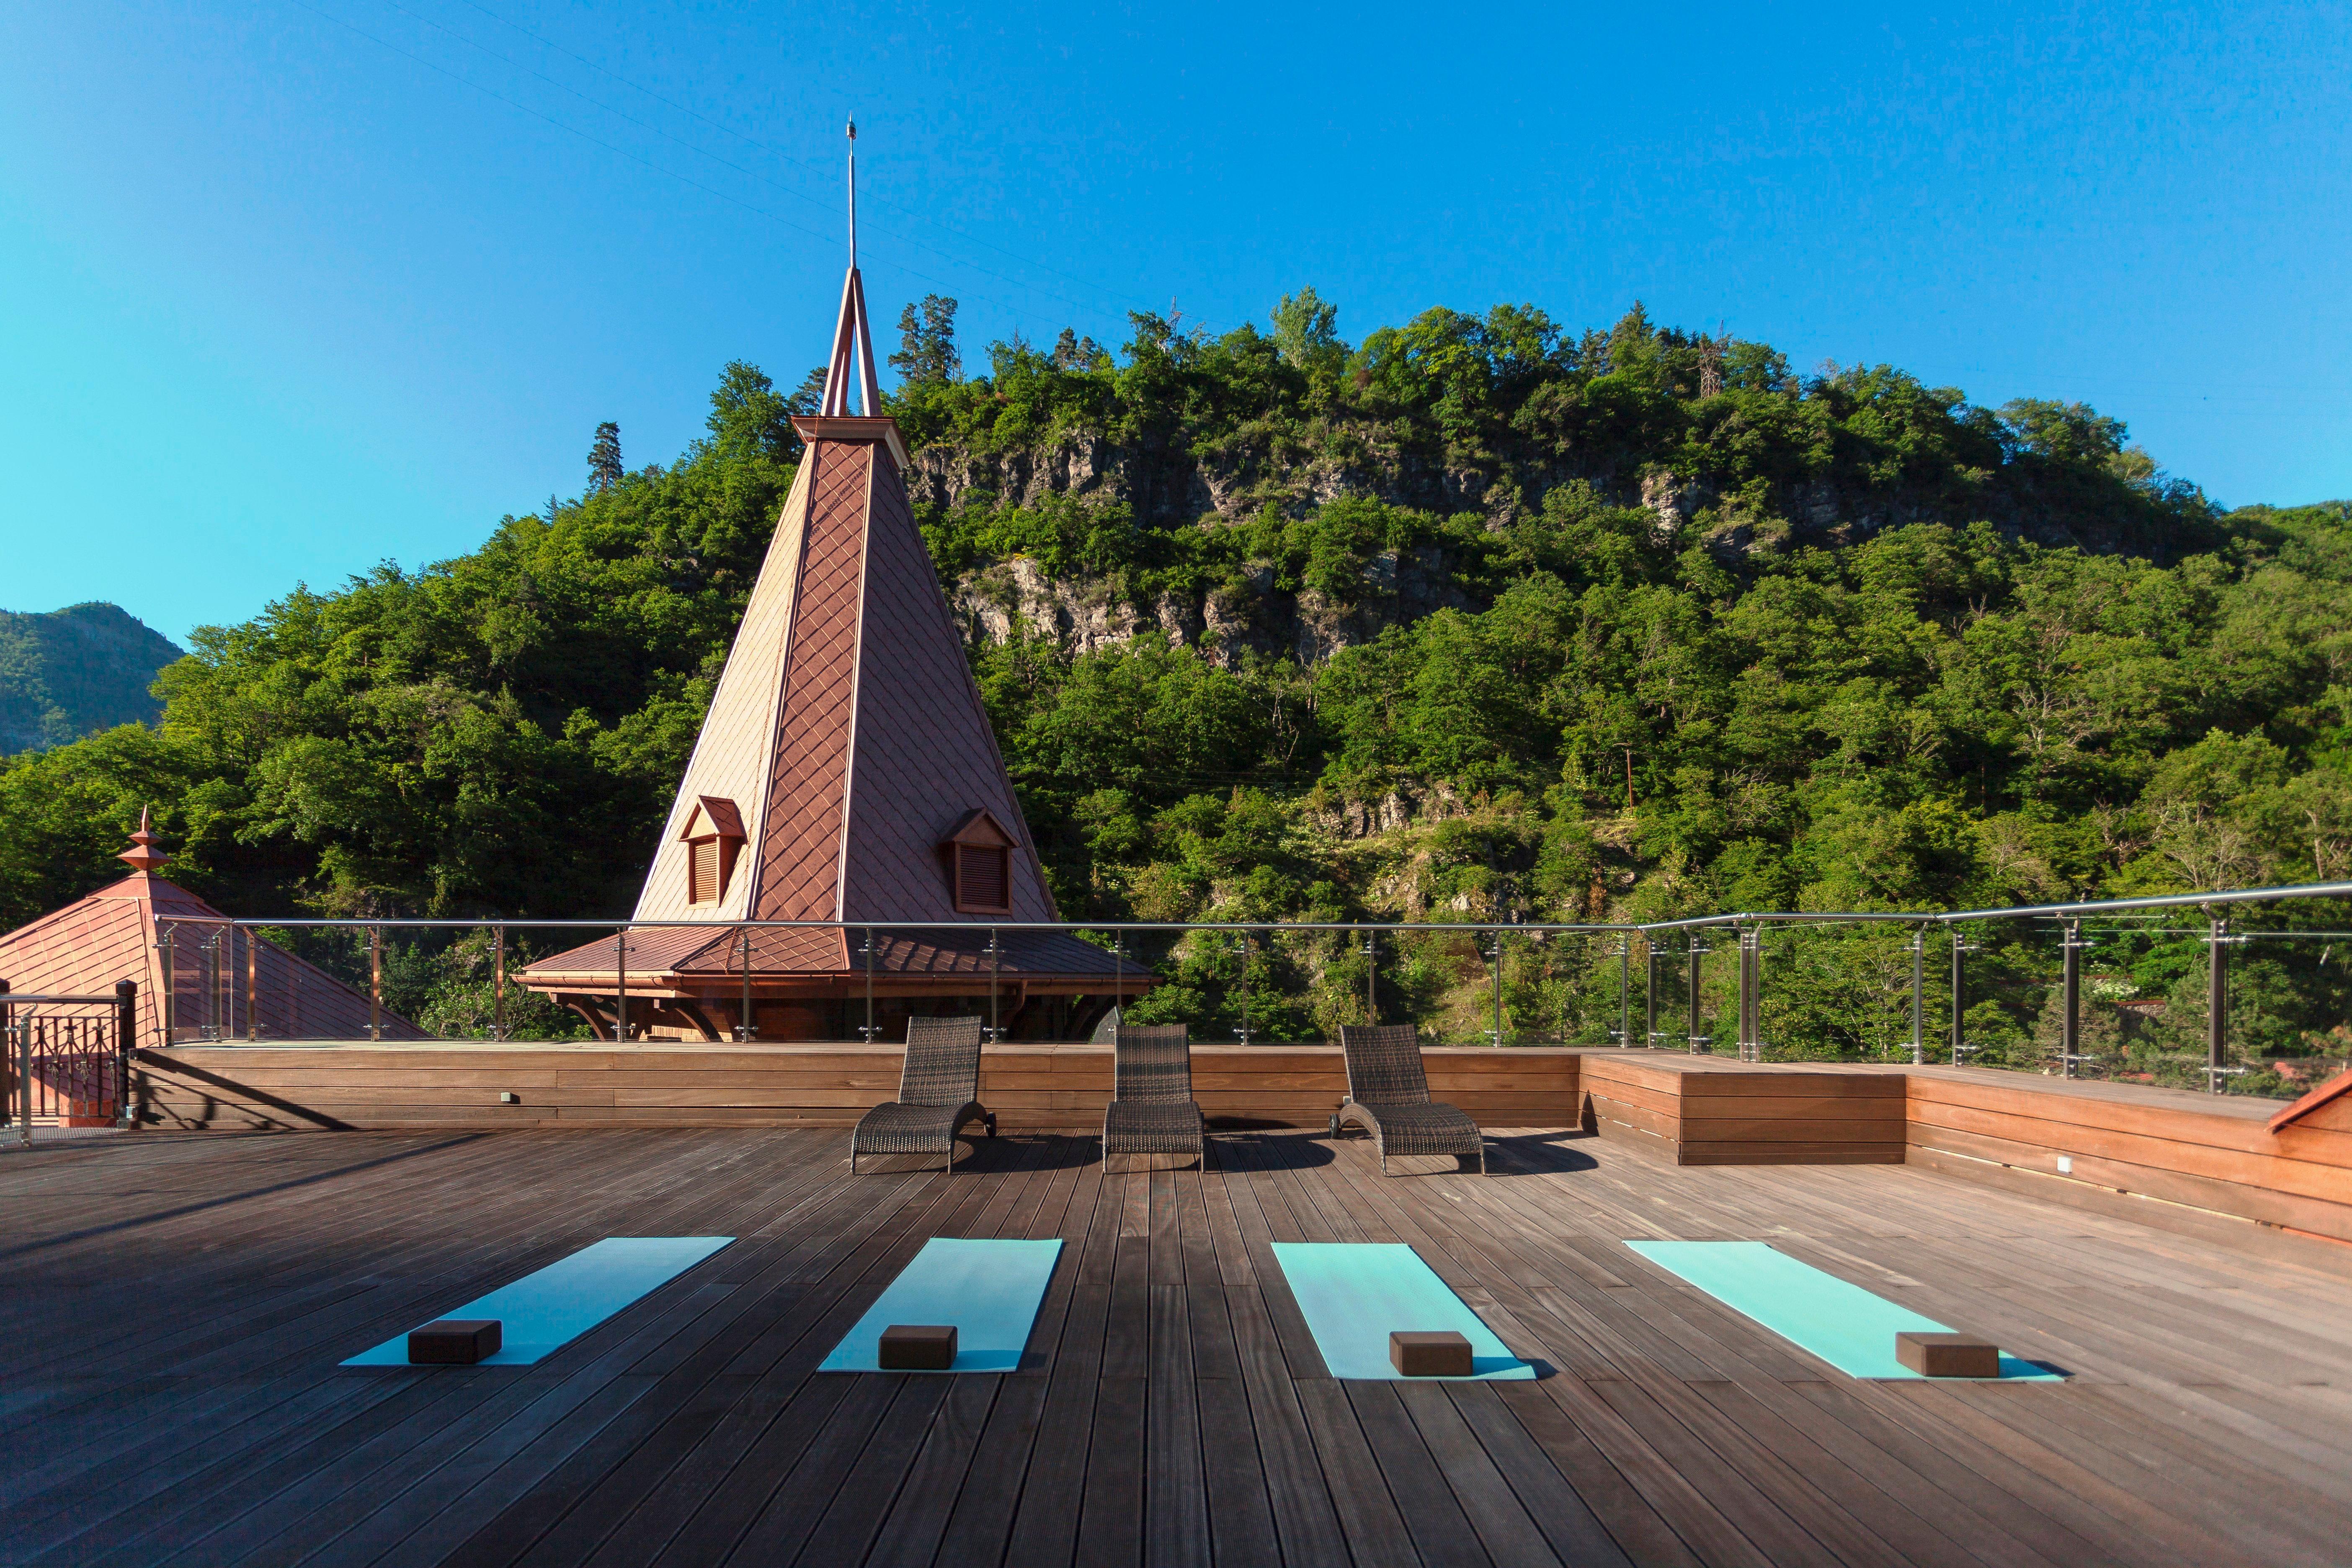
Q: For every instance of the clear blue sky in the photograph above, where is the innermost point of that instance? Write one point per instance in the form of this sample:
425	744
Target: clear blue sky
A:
295	286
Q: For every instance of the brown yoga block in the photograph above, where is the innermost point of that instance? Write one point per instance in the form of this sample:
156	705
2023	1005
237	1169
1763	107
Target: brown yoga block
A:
453	1342
919	1347
1948	1355
1420	1353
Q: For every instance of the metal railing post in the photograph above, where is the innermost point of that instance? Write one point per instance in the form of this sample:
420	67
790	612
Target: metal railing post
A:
1244	1030
24	1081
1694	1038
252	987
745	1029
621	986
126	1041
1624	992
1751	957
209	969
2216	1008
499	983
7	1061
1918	959
995	968
2070	1026
1372	970
869	1030
375	983
166	1005
1498	956
1960	1049
1650	995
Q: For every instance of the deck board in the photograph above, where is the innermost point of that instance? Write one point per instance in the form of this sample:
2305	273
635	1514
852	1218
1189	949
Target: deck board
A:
178	1304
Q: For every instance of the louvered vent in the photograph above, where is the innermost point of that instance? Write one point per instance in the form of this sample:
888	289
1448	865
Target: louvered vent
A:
705	883
983	878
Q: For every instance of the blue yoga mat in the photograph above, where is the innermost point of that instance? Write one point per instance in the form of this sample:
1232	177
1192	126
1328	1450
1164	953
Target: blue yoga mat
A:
1843	1323
1354	1293
988	1289
542	1313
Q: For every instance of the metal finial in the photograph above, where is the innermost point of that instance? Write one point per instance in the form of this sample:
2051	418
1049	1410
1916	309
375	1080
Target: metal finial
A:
853	195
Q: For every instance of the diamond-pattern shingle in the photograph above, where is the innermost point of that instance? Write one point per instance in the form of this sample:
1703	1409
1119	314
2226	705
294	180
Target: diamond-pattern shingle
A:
848	674
224	978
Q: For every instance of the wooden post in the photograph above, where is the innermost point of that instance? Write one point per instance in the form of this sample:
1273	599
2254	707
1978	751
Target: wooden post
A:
126	1041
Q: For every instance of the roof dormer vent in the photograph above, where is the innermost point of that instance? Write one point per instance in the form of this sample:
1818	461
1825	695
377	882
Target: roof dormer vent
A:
978	856
713	837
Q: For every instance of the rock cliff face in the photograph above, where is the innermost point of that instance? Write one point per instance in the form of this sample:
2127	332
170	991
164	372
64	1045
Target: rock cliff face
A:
1166	487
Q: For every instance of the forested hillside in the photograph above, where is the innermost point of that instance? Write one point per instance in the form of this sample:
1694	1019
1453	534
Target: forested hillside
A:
1474	619
66	673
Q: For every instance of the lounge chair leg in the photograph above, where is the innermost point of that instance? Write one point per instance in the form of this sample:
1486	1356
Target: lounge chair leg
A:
991	1124
1335	1129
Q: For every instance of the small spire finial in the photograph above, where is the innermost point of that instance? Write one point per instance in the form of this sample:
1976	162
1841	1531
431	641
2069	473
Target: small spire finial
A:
853	342
142	854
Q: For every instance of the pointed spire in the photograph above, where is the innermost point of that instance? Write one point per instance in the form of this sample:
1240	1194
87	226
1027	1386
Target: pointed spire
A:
851	340
142	854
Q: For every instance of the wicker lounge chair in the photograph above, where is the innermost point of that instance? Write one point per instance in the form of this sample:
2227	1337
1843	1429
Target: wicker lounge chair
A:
1152	1110
1388	1094
939	1091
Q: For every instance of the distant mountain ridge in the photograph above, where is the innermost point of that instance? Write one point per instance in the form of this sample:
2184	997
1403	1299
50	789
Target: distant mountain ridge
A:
68	673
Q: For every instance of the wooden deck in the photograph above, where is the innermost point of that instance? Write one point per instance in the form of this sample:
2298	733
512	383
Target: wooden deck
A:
174	1305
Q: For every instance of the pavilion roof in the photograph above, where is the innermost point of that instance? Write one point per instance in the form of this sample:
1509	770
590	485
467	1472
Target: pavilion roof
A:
112	935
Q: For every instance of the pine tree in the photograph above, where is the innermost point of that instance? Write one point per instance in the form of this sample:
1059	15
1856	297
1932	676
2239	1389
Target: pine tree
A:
1073	352
809	396
927	351
604	458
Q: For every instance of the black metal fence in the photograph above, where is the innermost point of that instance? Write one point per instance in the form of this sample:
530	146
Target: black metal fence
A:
68	1059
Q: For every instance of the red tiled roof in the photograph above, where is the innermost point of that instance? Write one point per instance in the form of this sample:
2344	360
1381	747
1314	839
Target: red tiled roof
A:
797	866
2333	1089
715	952
846	730
111	935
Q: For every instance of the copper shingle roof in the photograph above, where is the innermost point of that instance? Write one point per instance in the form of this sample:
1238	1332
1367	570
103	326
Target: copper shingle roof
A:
714	952
847	730
111	935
